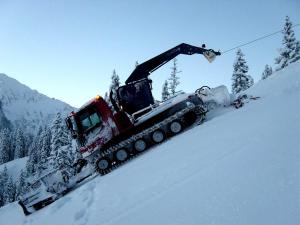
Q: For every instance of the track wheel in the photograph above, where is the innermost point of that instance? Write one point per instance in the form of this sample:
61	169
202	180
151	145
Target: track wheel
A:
158	136
121	155
175	127
140	145
103	164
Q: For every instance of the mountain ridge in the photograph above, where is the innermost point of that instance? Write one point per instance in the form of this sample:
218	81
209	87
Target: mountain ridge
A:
28	108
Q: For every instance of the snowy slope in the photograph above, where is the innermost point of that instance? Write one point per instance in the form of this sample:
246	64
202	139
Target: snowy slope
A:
14	167
26	107
239	167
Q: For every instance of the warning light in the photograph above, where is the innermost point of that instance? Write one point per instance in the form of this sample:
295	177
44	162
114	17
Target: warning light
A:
98	97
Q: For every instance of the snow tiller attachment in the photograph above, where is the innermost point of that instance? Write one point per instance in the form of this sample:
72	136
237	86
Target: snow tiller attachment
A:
214	97
51	186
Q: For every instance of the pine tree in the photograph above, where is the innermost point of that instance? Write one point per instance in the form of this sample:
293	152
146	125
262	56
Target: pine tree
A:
250	81
4	145
115	83
35	144
290	51
32	164
20	150
136	64
65	156
21	184
240	79
12	137
45	139
59	138
9	191
30	168
3	181
267	72
165	91
28	141
174	79
296	53
4	122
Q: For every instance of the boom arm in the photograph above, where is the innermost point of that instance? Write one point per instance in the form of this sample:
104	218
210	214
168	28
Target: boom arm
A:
143	70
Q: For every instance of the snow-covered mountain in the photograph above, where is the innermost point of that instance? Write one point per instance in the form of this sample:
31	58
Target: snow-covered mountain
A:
28	108
242	166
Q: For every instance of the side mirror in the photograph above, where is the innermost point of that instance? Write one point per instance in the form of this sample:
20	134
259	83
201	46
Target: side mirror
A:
69	123
71	128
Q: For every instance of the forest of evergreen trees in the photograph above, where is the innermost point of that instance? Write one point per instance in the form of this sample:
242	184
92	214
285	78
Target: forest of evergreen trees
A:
50	148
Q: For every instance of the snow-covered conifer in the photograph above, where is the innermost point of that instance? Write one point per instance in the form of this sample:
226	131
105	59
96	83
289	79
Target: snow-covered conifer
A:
35	144
240	79
4	145
28	141
30	166
4	122
174	79
267	72
21	185
45	141
165	91
290	51
3	180
19	145
65	156
115	83
12	137
296	53
59	138
250	81
9	191
34	154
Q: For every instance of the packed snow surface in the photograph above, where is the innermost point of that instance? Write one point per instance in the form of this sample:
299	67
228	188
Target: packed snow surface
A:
242	166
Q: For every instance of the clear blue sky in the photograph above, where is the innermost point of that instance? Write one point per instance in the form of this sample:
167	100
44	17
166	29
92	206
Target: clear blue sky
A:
68	49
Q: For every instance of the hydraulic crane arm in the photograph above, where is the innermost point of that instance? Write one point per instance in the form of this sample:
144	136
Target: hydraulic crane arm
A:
143	70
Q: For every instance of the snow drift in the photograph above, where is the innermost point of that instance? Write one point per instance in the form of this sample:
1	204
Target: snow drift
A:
239	167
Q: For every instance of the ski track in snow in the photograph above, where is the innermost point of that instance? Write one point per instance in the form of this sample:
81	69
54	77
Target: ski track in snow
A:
239	167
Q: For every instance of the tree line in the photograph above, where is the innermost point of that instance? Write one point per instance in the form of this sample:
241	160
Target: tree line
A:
288	53
50	149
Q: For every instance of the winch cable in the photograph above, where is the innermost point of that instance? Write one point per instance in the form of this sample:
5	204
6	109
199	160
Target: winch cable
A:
257	39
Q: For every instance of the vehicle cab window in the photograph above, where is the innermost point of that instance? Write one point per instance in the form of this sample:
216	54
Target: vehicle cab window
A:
89	119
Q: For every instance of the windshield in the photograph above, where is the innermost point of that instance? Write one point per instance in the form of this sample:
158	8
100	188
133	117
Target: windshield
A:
89	119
